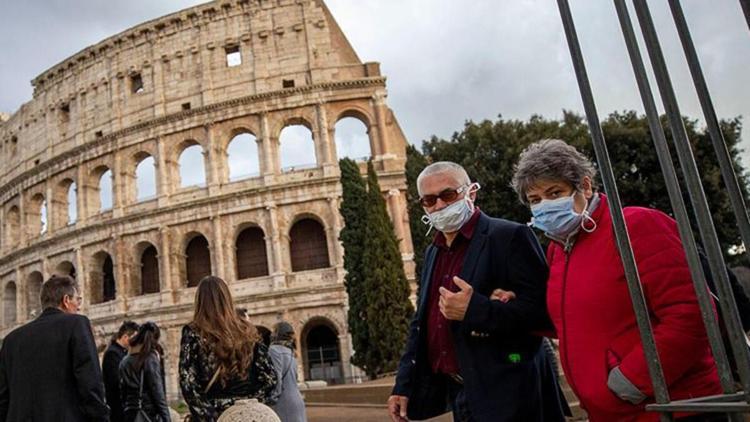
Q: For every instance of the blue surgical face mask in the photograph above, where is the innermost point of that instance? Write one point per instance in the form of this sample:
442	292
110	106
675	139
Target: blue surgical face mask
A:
558	218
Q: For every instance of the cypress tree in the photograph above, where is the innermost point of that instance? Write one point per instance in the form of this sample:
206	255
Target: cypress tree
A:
415	163
386	290
353	200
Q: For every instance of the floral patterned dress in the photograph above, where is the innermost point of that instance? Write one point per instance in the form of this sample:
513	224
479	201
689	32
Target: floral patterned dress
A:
197	367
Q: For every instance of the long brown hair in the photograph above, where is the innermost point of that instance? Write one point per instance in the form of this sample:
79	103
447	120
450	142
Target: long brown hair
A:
232	339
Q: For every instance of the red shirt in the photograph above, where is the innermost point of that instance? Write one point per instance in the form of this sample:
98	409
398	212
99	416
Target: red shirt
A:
448	263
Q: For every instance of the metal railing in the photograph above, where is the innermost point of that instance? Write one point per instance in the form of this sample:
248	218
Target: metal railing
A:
731	401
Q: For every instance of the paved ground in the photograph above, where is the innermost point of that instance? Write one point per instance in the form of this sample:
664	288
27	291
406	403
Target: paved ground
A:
355	414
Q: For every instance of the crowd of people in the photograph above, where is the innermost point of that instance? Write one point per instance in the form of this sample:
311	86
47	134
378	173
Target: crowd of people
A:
489	298
50	371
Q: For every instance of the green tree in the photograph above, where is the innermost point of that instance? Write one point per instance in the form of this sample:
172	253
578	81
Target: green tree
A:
353	201
489	150
415	163
386	290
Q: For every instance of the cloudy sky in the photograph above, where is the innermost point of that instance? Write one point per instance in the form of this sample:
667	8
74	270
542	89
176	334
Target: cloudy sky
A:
446	61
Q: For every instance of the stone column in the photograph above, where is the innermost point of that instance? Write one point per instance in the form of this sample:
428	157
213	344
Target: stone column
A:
23	236
82	196
120	257
22	308
218	250
209	159
271	163
4	238
277	268
164	181
323	147
397	217
165	260
336	253
49	198
120	186
82	278
380	112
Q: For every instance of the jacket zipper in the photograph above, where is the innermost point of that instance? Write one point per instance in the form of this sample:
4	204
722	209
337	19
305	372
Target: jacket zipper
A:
567	250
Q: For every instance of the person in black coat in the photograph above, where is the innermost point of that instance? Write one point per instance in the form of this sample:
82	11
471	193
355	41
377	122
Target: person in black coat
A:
115	353
49	368
465	352
141	379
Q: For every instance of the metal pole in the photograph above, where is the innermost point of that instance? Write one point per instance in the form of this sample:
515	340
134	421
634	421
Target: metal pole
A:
697	195
746	10
717	138
675	198
618	220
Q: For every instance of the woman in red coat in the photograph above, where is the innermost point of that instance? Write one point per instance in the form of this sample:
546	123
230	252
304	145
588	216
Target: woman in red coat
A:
587	295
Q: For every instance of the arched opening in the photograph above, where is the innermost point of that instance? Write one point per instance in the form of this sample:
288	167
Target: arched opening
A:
242	157
297	148
36	216
197	260
103	284
72	202
145	179
250	247
192	167
66	268
352	139
308	245
104	186
9	304
149	270
321	352
12	227
34	290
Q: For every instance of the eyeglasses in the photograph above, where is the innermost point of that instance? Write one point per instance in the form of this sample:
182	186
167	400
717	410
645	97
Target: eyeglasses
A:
447	196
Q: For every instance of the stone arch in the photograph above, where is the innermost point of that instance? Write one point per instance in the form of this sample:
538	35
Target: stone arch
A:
147	269
102	188
191	164
242	155
145	186
197	258
308	244
9	304
102	278
297	145
66	268
65	206
33	291
36	215
251	255
352	136
321	350
12	226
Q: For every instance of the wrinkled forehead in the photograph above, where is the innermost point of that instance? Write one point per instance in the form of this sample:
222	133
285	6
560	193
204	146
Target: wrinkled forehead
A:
433	184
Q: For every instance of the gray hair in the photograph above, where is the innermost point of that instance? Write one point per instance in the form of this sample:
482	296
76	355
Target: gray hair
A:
55	289
550	159
443	167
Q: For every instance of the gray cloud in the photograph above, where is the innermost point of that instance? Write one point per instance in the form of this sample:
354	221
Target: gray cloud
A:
446	61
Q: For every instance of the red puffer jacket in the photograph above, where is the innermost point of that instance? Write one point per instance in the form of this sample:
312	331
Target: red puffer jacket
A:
588	301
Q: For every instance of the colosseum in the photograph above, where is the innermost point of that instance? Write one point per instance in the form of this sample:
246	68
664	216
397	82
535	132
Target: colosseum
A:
200	142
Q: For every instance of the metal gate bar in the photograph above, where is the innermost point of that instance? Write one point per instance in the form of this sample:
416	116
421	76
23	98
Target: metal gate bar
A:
676	199
621	233
697	196
712	122
746	10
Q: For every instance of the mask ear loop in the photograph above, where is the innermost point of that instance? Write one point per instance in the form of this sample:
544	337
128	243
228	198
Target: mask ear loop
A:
587	217
426	220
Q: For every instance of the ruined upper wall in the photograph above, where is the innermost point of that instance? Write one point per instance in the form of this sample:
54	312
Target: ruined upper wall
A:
174	63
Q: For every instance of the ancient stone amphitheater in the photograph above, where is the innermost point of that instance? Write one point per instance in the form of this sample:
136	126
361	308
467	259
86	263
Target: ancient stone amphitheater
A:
202	142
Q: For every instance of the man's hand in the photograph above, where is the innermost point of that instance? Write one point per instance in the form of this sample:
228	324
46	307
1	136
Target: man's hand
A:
504	296
397	408
453	305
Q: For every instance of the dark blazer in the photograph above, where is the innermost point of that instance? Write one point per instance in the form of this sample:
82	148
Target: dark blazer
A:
111	372
153	399
49	371
507	376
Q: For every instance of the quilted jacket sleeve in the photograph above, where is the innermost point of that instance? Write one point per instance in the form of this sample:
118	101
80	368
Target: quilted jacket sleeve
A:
675	314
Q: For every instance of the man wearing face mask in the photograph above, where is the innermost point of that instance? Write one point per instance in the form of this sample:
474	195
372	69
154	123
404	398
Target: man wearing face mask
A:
587	295
466	353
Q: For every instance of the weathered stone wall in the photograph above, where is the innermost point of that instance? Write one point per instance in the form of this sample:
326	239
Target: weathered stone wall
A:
85	118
